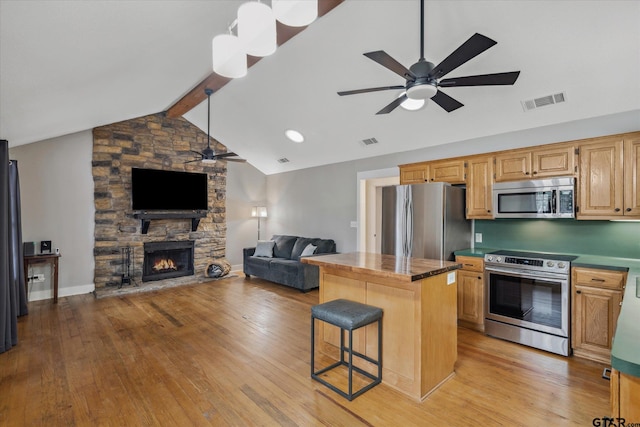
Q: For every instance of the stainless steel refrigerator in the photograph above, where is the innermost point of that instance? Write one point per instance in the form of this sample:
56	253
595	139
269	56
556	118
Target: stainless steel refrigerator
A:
424	221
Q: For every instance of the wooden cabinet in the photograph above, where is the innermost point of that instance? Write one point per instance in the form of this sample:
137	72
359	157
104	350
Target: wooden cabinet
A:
513	166
549	162
625	390
632	175
471	292
608	186
600	189
451	171
596	297
479	187
414	173
536	163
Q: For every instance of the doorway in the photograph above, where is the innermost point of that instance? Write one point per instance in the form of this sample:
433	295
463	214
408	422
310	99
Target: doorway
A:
370	206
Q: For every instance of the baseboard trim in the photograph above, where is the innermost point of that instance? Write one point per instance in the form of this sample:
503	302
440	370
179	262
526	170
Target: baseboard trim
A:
67	291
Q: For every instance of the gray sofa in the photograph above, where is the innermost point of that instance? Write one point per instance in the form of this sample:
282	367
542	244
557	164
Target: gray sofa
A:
284	265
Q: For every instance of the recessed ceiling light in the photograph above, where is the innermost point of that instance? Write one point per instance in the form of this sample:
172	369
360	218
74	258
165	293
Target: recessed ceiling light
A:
294	135
412	104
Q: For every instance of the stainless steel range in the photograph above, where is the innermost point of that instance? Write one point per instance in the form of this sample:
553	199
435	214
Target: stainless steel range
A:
527	299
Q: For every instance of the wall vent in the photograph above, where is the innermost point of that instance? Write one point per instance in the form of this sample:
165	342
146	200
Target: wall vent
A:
532	104
369	141
283	160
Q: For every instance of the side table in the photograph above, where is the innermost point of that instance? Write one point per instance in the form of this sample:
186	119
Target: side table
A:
42	259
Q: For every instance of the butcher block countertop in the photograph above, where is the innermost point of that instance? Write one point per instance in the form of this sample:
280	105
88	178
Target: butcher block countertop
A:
404	269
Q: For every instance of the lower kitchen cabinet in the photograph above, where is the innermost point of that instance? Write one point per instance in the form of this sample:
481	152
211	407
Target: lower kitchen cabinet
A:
471	292
596	297
625	392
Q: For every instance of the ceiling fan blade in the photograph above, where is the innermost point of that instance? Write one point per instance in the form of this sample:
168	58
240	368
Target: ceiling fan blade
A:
384	59
473	47
372	89
235	160
191	161
225	155
482	80
393	105
197	152
445	101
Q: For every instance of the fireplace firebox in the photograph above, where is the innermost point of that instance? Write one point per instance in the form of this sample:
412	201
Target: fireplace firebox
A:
165	260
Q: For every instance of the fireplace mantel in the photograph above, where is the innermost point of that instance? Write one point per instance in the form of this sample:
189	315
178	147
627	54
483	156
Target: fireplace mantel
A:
147	217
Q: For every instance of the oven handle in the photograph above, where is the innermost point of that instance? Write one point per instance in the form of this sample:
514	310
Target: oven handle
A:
527	274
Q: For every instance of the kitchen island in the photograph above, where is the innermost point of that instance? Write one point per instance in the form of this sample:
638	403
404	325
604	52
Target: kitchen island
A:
419	322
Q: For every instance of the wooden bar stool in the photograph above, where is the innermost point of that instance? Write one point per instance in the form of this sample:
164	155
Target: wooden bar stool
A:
348	316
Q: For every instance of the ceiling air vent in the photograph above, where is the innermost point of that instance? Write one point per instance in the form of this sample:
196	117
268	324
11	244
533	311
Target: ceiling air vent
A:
369	141
283	160
532	104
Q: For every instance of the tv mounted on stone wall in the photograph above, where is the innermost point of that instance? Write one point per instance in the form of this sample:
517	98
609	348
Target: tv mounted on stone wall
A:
163	190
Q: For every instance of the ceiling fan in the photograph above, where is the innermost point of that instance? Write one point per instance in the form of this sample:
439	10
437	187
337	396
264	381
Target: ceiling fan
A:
423	78
208	155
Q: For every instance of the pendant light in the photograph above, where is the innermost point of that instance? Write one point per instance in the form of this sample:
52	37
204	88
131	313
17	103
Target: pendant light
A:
257	28
295	13
229	58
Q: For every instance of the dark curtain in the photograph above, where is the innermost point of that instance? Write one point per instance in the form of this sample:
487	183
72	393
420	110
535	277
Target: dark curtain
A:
13	297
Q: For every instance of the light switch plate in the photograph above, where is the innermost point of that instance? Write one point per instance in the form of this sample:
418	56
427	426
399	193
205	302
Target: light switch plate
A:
478	237
451	277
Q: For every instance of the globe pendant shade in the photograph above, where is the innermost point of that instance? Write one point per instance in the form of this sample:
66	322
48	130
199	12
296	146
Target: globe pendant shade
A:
257	29
229	58
295	13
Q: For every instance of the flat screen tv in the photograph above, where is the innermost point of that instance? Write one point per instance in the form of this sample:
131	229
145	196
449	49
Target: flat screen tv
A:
153	189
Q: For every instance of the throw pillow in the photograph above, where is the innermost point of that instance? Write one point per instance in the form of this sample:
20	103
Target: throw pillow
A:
264	248
309	250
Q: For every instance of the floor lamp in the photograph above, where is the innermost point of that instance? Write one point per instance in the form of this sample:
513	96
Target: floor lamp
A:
259	212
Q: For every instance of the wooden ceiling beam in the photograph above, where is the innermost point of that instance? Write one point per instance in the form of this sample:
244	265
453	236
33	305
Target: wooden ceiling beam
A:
215	81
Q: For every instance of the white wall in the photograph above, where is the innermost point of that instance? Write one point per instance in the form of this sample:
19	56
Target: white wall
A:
246	187
57	193
56	190
322	201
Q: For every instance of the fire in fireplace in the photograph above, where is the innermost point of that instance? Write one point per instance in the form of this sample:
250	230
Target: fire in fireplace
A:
164	260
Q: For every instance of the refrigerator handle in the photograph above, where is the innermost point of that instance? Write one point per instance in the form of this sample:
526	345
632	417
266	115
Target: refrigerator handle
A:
408	214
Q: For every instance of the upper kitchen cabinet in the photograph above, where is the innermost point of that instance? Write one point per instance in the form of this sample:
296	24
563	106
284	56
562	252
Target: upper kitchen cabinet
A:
414	173
451	171
479	187
513	165
536	163
609	185
632	175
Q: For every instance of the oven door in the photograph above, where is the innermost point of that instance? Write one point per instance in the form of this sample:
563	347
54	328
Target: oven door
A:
537	301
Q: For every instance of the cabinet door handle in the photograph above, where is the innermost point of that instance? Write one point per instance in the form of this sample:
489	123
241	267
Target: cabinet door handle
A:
617	209
597	280
628	209
489	210
480	278
526	173
535	172
606	374
578	292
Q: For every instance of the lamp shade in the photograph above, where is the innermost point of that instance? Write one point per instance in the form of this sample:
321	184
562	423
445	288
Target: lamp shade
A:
229	58
257	29
259	211
295	13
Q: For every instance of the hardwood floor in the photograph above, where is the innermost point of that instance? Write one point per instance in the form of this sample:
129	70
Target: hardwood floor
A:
236	352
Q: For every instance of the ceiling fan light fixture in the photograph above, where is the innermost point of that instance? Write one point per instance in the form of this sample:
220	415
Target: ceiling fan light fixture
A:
257	28
229	58
294	136
422	91
295	13
412	104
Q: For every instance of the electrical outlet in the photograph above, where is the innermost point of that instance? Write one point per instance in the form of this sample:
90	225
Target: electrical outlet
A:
478	237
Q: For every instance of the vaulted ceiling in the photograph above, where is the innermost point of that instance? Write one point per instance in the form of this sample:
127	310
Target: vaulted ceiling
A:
68	66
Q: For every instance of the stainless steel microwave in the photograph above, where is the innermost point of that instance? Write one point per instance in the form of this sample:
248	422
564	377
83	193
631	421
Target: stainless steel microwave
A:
540	198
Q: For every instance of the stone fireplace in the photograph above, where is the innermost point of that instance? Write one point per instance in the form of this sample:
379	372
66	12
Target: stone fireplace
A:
152	142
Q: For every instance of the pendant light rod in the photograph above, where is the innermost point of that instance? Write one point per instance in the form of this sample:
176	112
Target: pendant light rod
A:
421	30
208	92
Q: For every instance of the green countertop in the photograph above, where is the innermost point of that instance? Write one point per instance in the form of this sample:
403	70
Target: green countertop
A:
625	354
